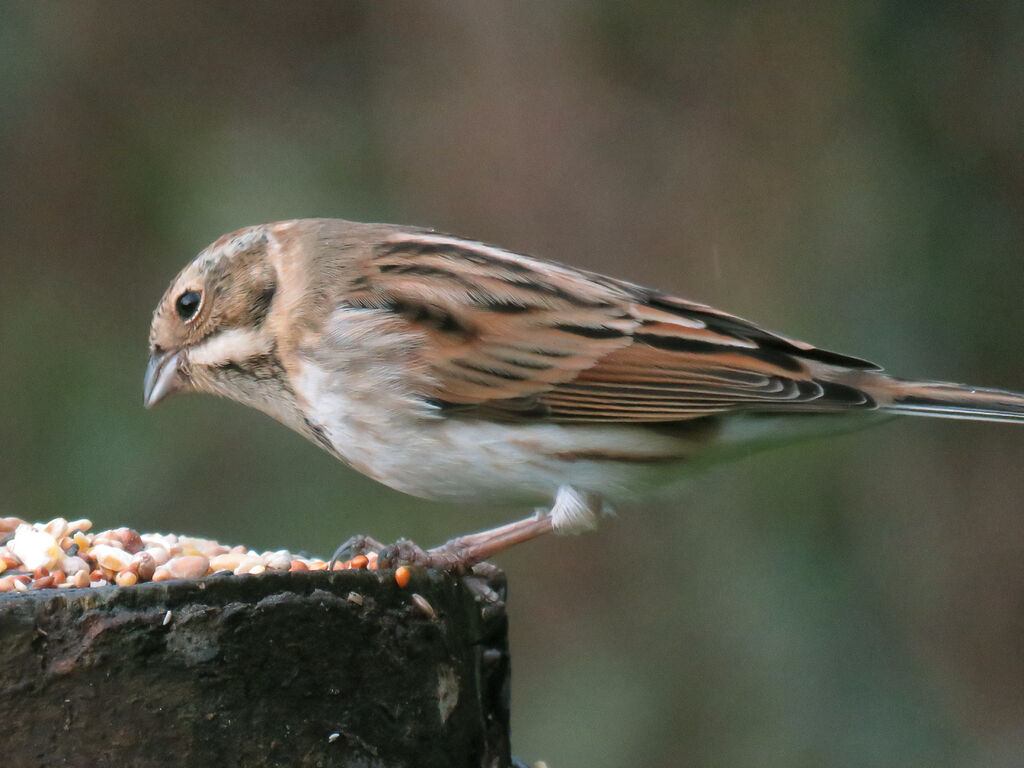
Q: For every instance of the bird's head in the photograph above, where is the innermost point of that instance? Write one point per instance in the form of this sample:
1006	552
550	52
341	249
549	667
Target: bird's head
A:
208	332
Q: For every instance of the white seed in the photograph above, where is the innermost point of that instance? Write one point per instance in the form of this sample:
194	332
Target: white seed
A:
111	557
167	542
58	528
35	549
229	561
73	564
187	567
205	547
278	561
247	563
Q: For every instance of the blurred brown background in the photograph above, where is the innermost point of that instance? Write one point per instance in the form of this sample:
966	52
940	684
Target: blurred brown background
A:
849	174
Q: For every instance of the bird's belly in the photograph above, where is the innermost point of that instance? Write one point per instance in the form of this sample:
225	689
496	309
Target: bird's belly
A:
397	440
498	462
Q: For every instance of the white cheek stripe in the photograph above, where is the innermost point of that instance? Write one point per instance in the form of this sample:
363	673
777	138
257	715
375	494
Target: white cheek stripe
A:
233	345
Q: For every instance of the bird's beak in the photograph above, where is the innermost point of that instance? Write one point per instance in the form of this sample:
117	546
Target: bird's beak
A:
162	378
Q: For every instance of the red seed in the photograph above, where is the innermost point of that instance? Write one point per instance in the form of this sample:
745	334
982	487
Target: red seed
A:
402	576
359	561
298	565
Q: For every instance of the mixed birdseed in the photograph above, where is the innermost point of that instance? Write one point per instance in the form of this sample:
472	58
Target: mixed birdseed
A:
61	554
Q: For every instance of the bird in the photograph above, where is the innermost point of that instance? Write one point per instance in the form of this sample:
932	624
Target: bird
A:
450	369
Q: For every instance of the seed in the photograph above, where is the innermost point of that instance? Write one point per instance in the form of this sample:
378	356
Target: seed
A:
247	563
298	565
111	558
359	561
144	564
402	576
278	561
35	548
72	565
159	554
126	579
57	527
226	562
188	566
8	524
424	606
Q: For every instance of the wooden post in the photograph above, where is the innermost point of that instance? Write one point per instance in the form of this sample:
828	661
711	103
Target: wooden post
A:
280	669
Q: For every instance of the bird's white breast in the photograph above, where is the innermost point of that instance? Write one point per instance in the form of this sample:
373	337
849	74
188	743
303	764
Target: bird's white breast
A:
360	385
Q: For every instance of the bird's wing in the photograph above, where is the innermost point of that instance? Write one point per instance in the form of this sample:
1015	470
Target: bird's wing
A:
512	337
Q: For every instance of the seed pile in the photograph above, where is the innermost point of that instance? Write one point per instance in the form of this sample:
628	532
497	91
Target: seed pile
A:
61	554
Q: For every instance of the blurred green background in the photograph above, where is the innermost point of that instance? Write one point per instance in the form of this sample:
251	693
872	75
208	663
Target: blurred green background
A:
849	174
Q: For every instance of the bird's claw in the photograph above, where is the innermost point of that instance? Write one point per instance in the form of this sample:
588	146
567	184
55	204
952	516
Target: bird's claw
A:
353	546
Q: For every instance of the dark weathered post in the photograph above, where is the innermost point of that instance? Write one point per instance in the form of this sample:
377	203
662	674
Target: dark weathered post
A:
280	669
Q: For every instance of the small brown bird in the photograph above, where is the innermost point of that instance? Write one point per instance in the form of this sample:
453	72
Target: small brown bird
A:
450	369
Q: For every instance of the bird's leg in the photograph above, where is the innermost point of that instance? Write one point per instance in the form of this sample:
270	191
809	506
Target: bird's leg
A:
574	511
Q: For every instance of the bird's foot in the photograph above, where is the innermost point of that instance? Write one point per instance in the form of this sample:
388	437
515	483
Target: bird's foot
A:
574	511
353	547
464	553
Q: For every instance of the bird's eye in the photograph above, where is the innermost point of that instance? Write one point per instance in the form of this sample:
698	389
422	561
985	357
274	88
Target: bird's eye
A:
187	305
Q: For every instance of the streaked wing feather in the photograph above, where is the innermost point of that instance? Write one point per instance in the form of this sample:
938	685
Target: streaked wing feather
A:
512	337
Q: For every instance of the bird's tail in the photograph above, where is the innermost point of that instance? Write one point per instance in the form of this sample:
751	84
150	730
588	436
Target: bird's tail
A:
949	401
